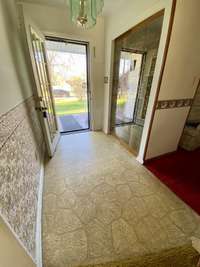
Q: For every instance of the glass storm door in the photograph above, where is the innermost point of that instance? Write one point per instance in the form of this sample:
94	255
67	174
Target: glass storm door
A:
130	66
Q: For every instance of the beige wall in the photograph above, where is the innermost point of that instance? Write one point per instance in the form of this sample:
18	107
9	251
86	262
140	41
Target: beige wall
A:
130	14
11	252
20	136
181	74
173	119
56	20
15	84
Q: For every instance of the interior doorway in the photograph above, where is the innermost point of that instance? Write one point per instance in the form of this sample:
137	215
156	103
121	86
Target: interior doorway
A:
133	71
68	61
130	67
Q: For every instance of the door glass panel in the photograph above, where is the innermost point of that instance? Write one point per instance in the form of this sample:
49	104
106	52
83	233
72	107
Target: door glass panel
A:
134	66
129	76
45	90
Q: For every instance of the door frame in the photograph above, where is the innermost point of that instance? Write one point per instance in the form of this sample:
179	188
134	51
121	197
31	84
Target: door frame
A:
166	8
56	38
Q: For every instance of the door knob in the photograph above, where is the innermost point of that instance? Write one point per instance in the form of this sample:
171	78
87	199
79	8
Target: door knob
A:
41	108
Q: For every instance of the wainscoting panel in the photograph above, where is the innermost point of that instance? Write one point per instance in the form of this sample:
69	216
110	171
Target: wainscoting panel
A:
174	103
21	143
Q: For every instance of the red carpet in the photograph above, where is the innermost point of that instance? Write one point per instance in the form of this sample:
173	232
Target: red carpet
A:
180	171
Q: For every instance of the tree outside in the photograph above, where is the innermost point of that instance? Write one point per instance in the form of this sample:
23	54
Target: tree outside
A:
68	72
78	85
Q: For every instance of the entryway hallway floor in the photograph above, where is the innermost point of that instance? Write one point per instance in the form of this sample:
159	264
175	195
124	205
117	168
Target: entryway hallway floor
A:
100	205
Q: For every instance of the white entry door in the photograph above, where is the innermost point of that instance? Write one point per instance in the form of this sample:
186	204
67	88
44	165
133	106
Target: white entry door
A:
44	98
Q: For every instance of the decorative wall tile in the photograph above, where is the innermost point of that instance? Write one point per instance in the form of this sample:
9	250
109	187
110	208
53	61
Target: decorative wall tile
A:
20	161
174	103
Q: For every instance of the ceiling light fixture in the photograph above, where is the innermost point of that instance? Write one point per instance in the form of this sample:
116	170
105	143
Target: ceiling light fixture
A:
84	12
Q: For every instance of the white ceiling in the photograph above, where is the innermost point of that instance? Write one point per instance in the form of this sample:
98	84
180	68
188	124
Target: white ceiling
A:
109	5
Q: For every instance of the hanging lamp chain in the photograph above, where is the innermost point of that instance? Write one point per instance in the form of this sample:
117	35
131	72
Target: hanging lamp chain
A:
82	18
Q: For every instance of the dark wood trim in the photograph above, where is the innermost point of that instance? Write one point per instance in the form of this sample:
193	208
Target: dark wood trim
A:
161	73
65	40
113	93
142	23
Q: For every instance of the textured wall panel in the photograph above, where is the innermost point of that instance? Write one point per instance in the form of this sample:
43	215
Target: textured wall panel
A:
20	161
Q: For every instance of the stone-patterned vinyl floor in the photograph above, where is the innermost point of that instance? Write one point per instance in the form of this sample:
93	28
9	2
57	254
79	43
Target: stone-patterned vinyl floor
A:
101	205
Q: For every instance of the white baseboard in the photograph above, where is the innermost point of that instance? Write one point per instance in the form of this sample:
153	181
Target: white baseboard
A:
140	160
39	218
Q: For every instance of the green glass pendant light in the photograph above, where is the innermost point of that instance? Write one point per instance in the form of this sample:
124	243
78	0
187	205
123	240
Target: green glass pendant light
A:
84	12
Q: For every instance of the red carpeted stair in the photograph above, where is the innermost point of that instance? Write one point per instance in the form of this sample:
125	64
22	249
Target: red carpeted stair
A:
180	171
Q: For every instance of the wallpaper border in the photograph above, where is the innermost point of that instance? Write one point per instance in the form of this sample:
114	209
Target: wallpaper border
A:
174	103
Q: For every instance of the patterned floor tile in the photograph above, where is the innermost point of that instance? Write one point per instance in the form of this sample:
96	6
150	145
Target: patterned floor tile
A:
103	206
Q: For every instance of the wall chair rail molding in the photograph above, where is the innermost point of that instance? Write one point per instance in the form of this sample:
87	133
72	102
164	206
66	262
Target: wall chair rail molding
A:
174	103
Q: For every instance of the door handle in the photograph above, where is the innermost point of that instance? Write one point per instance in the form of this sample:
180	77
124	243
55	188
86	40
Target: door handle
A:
42	109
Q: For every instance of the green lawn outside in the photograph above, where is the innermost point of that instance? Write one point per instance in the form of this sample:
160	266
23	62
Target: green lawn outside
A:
67	106
121	102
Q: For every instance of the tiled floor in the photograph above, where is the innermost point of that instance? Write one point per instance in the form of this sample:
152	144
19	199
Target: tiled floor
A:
100	205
